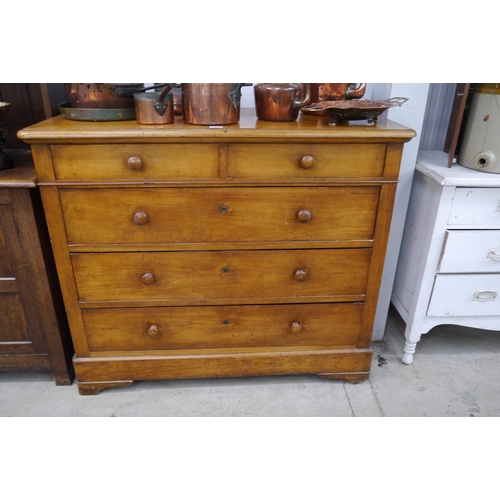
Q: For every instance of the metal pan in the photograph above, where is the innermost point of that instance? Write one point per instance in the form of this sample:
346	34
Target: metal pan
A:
96	114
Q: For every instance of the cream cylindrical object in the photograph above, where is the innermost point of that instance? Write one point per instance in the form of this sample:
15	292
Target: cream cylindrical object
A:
480	149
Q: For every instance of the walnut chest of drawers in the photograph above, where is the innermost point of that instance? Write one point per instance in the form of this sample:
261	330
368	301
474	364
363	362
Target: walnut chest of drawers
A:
186	251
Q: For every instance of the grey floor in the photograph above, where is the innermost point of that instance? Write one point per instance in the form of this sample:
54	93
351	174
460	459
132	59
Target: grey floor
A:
454	374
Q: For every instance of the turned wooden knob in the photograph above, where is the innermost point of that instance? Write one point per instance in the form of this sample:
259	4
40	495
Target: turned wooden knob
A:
141	218
295	327
148	279
306	162
300	275
134	163
304	216
153	331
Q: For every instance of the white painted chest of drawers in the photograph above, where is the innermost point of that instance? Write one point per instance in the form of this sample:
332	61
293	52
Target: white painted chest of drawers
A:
449	266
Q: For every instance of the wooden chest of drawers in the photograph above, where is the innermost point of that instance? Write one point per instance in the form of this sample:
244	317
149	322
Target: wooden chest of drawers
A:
185	251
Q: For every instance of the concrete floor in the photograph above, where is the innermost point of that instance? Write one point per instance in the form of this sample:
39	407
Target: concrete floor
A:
454	374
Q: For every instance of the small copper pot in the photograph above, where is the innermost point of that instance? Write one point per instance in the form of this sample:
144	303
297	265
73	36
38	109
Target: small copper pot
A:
211	103
336	91
154	108
280	102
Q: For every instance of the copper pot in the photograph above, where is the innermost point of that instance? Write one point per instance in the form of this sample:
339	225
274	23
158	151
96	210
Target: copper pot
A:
280	102
211	103
100	95
336	91
154	108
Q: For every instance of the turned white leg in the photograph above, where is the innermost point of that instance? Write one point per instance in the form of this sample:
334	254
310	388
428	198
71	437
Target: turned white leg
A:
408	352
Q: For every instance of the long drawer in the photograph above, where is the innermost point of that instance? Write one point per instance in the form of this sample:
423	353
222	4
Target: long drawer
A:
213	215
471	252
135	161
135	329
201	277
465	295
268	161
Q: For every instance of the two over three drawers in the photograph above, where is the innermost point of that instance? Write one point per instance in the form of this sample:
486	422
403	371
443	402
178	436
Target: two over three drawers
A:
468	279
165	258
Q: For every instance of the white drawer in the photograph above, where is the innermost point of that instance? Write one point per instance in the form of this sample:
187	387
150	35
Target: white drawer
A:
465	295
476	207
470	251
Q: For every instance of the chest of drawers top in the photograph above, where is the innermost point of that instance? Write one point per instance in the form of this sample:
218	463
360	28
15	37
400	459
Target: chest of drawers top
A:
270	151
306	128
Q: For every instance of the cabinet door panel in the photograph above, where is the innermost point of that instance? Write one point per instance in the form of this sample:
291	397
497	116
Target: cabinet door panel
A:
13	326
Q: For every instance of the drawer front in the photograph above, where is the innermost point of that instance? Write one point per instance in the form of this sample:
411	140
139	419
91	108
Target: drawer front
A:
471	252
476	207
465	295
134	329
136	161
213	215
270	161
204	276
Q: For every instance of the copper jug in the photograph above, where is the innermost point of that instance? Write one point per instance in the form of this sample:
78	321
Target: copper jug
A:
336	91
280	102
211	103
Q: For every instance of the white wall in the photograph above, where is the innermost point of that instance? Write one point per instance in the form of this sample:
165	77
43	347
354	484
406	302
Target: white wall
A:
410	114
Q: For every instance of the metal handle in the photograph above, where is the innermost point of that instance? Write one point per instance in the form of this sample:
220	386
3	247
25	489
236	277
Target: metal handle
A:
300	103
295	327
494	254
485	295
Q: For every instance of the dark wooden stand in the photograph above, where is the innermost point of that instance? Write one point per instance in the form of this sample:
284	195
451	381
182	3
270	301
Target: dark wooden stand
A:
34	333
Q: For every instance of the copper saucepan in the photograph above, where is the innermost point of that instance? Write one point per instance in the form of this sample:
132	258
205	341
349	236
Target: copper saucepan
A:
154	108
211	103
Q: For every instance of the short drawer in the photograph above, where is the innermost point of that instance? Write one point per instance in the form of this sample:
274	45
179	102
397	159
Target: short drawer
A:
268	161
136	161
465	295
200	277
476	207
218	215
470	251
205	327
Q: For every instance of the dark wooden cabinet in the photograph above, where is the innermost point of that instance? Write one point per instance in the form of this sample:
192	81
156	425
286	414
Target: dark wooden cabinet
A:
34	333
